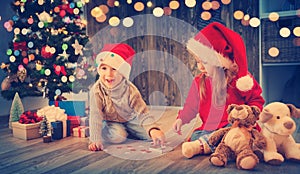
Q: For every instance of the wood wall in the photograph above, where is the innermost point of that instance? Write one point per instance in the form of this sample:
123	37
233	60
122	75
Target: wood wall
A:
162	69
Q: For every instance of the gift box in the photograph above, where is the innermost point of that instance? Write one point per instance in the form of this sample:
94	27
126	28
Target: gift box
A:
81	131
84	121
72	108
26	131
74	121
57	130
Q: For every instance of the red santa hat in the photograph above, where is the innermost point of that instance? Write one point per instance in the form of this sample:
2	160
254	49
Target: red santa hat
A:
219	46
119	56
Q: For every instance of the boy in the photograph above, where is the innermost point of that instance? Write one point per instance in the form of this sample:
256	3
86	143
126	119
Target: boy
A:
117	109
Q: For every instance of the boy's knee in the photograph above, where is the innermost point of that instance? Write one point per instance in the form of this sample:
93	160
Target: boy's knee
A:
114	133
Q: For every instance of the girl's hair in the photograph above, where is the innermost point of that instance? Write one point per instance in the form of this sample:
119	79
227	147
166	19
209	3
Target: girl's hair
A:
221	78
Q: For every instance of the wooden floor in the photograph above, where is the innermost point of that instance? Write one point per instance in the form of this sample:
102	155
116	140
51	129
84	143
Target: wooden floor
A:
70	155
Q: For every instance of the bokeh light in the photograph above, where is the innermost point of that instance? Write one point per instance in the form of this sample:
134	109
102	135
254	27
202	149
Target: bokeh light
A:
285	32
273	52
139	6
174	5
238	15
273	16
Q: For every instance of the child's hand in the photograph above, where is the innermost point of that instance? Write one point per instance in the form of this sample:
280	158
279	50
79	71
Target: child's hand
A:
96	146
177	126
158	137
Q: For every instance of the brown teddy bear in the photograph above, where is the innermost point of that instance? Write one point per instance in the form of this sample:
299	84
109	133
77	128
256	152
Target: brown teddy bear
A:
237	141
278	126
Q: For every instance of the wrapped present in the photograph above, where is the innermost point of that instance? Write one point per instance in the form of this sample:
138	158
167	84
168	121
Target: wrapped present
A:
84	121
56	114
57	130
72	108
81	131
74	121
26	131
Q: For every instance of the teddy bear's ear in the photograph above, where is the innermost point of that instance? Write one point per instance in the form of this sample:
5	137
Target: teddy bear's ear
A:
255	110
265	115
231	107
295	112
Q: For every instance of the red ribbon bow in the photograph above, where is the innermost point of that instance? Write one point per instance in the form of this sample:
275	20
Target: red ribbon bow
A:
29	117
59	69
66	7
20	46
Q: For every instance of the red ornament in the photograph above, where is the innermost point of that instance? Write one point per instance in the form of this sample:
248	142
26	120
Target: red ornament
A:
46	54
62	13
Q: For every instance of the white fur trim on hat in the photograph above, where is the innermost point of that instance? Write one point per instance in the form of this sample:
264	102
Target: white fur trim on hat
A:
115	61
244	83
207	54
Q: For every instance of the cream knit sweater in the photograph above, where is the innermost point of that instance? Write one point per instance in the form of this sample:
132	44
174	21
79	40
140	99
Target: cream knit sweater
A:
120	104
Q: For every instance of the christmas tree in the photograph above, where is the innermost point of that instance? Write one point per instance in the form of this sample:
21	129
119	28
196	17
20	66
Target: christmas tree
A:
47	56
45	128
16	109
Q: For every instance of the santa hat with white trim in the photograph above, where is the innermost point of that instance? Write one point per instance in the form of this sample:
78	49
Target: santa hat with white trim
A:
118	56
219	46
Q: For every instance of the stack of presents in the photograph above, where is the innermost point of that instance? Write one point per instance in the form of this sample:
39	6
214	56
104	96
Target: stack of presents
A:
66	118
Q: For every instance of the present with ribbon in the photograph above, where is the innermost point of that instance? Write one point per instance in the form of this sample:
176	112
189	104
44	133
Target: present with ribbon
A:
74	121
72	108
84	121
81	131
57	130
54	114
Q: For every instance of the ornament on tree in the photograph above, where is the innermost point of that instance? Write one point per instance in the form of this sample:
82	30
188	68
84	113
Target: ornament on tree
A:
16	109
59	69
22	73
20	46
44	17
80	74
77	47
45	52
63	56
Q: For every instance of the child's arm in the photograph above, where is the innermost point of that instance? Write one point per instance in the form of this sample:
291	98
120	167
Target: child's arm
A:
191	105
146	120
95	121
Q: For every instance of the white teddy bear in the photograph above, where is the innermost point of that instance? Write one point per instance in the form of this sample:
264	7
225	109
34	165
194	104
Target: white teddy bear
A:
278	126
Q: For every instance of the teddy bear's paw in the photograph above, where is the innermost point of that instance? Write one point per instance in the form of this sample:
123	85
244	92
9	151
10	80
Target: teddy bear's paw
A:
247	163
215	160
274	162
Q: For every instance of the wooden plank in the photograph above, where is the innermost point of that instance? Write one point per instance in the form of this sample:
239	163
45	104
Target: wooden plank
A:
32	152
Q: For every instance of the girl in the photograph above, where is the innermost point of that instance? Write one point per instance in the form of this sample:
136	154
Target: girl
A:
224	79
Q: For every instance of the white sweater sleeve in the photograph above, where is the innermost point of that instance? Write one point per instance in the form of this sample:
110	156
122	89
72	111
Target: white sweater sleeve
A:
96	117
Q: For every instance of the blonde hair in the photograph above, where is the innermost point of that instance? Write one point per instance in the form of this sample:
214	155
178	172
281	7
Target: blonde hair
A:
221	78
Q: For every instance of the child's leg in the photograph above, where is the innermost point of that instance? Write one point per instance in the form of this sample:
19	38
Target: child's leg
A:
136	131
114	132
198	144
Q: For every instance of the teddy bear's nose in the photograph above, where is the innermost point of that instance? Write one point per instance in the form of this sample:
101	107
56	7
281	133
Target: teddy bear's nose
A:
239	108
288	124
